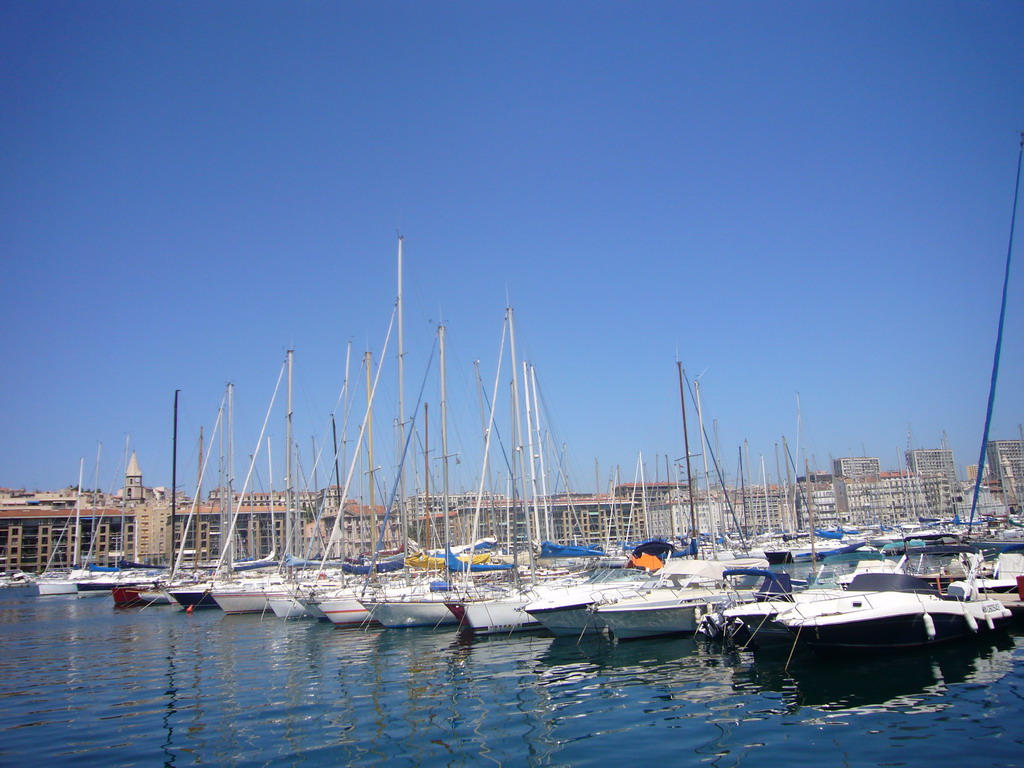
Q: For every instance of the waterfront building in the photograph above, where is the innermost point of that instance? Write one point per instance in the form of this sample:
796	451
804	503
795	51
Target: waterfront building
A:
889	498
856	466
764	508
932	461
35	536
1005	464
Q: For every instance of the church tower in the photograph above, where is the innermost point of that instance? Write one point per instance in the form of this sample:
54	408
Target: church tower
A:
133	491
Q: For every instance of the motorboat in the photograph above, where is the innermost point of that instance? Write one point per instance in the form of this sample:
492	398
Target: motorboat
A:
888	611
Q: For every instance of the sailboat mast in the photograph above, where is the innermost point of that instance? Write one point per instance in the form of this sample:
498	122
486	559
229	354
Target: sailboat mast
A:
999	344
92	526
742	489
517	436
530	447
77	551
426	477
226	532
444	437
707	476
764	480
368	361
791	521
270	483
289	505
337	478
174	474
810	510
686	447
402	512
540	456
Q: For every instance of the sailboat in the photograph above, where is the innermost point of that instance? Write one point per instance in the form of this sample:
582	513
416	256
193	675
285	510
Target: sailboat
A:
424	602
55	582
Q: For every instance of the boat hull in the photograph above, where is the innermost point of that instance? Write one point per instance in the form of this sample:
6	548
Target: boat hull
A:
344	611
570	620
244	602
891	632
411	613
56	587
501	616
650	620
287	607
193	598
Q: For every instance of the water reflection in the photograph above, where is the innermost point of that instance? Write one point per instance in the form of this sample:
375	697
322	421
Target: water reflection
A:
913	680
82	683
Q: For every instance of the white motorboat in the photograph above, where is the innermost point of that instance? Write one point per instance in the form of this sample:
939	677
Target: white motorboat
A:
887	611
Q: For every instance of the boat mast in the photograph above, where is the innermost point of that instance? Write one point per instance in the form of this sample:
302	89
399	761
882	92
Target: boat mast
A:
743	488
488	431
790	518
337	481
174	474
198	499
764	479
227	532
530	447
344	458
810	510
270	474
426	478
289	503
540	456
368	362
402	512
77	551
707	476
686	448
444	441
517	438
999	344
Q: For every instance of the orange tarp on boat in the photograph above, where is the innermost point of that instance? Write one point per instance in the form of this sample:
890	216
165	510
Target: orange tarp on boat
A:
646	561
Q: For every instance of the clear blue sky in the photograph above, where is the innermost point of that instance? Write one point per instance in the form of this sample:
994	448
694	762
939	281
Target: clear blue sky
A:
791	197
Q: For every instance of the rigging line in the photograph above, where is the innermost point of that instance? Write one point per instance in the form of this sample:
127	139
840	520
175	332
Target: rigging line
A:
999	344
252	464
721	479
405	451
322	506
196	497
336	529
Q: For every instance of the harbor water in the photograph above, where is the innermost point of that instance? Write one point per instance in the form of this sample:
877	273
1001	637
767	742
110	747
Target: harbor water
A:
86	684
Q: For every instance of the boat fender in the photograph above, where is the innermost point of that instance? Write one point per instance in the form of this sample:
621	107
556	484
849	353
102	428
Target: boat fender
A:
972	623
929	626
988	621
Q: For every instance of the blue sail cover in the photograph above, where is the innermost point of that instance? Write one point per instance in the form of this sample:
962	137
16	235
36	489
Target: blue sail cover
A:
550	549
386	566
454	564
101	569
290	561
255	565
127	564
828	534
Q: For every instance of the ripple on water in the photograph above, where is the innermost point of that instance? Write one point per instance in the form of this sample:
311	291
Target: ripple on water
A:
86	684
